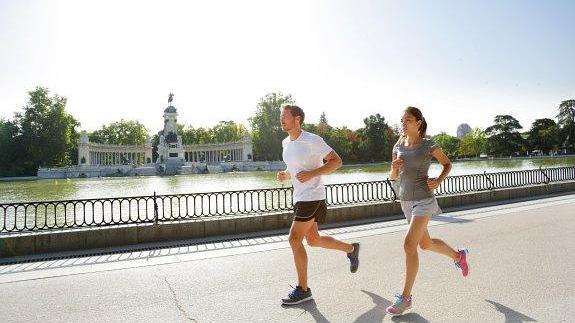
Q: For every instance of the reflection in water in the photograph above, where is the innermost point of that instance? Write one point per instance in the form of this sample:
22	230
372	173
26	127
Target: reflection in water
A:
70	189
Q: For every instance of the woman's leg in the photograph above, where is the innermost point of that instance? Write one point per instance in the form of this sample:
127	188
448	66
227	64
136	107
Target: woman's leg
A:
417	228
437	245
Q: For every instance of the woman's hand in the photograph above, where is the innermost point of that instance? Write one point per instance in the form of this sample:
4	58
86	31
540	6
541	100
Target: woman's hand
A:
396	164
433	183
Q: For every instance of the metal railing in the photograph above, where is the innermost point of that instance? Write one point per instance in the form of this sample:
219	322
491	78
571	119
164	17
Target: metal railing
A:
52	215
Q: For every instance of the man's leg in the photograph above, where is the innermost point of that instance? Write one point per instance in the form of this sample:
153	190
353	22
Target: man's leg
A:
315	240
297	233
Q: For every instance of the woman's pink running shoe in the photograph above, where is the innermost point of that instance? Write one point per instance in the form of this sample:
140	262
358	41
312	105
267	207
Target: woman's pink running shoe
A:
462	262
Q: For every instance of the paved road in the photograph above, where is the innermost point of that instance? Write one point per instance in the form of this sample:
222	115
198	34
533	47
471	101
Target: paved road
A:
522	270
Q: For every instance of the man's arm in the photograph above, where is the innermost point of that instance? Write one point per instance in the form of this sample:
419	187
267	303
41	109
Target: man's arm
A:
332	162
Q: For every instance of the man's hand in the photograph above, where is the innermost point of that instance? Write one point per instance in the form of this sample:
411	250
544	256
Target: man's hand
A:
282	176
433	183
304	176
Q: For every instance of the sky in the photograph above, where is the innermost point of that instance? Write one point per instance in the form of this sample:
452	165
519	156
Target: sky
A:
459	61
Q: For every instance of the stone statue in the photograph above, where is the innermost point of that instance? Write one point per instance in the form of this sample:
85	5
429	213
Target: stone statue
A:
170	98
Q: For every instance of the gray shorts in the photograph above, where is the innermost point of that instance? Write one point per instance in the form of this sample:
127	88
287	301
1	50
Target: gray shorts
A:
423	207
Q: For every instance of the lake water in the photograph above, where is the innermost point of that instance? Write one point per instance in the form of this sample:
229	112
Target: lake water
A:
69	189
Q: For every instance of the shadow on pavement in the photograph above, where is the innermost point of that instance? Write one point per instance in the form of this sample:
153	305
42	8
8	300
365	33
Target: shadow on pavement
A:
311	308
409	317
511	316
377	313
450	219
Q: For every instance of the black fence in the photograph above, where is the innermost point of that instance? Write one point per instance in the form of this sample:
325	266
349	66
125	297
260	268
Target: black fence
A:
52	215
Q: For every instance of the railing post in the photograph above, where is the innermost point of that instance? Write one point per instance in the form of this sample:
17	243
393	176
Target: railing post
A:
155	209
488	179
547	180
388	182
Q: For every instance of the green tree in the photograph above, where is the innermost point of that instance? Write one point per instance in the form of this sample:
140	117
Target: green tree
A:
188	134
504	137
267	134
339	141
566	121
544	135
323	128
377	139
203	136
11	152
48	133
336	138
228	131
448	143
155	142
473	144
121	133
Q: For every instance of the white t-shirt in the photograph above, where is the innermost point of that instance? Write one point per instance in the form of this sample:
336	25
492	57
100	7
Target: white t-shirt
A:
306	153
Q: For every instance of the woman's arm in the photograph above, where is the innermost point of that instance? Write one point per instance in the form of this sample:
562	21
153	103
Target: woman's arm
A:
445	162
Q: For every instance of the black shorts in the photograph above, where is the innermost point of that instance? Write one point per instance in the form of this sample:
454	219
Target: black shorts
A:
306	210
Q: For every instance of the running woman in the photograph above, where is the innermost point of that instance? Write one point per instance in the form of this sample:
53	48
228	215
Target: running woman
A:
411	158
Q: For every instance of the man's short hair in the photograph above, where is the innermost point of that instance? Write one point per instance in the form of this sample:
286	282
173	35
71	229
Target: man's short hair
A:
295	111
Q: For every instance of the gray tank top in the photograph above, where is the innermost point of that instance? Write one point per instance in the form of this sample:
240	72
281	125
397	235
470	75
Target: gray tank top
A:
413	174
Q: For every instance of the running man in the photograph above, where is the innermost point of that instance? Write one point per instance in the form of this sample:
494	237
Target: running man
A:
304	154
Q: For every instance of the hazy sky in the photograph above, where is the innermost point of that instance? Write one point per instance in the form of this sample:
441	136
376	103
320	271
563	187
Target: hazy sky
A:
460	61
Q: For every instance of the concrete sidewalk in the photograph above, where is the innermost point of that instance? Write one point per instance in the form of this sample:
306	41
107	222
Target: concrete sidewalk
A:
521	270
